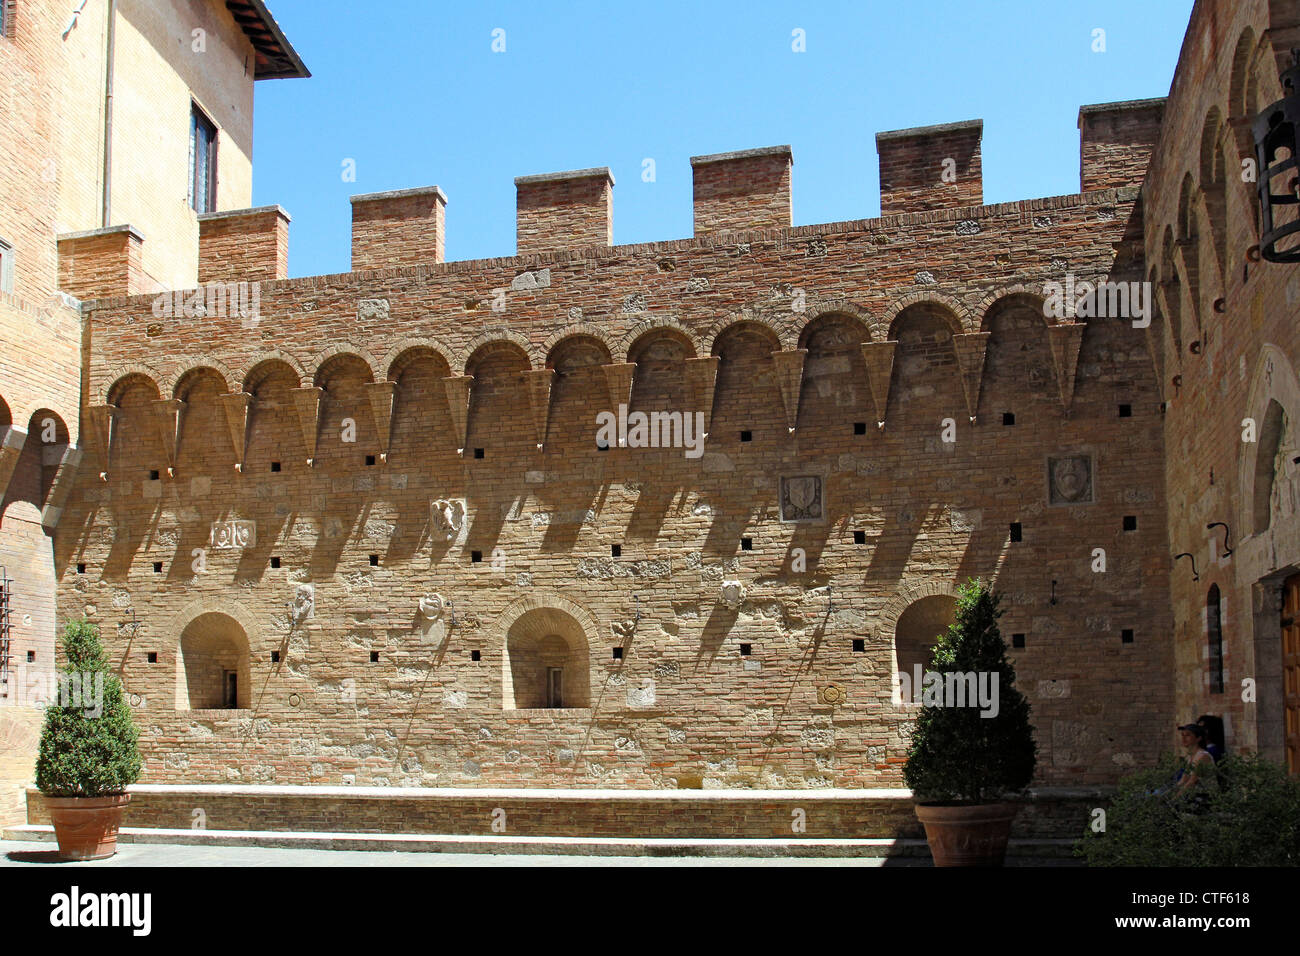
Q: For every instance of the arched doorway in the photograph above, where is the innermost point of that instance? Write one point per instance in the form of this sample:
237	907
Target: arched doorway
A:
212	671
547	663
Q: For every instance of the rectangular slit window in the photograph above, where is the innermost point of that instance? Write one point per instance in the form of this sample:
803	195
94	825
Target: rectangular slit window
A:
746	544
1016	532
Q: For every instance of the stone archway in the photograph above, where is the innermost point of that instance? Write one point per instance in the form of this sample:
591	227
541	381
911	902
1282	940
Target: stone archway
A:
547	660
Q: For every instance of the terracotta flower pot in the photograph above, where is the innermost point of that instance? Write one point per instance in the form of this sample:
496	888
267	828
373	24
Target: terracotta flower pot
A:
967	835
86	827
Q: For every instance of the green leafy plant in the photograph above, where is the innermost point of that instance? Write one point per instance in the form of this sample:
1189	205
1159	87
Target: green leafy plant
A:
89	740
963	754
1244	812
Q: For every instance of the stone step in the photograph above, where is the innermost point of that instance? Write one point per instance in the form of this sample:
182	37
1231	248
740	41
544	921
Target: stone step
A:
548	845
781	815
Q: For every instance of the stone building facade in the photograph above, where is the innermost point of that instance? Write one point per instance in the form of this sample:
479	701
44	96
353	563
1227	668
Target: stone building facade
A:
371	528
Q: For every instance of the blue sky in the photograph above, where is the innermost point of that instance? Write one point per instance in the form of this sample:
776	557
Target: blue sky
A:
413	93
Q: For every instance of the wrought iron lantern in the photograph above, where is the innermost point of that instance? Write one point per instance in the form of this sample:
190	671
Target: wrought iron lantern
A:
1277	129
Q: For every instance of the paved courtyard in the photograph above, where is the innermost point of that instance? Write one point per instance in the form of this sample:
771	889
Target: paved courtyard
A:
16	854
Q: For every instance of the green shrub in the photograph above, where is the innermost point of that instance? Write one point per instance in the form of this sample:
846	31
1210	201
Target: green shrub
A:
957	753
1246	812
88	744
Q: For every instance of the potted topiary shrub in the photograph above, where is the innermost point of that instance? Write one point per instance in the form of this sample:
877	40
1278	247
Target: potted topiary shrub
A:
88	753
968	755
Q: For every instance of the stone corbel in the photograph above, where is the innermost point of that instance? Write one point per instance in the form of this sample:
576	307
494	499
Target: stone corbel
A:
539	381
383	396
458	389
1065	340
12	439
65	476
970	348
701	380
619	380
308	404
239	412
170	413
879	359
103	429
789	378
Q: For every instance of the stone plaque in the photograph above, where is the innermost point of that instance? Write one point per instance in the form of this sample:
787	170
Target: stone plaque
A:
1069	480
801	498
232	534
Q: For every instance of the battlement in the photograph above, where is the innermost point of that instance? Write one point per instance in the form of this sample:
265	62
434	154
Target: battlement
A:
925	172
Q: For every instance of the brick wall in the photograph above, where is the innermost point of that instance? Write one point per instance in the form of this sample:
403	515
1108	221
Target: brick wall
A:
564	210
102	262
930	167
244	245
682	706
748	189
1226	344
406	227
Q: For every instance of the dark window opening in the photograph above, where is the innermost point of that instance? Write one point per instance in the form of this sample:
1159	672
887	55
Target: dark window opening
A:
203	162
1214	632
859	645
615	550
476	655
1130	523
157	567
275	562
1125	411
1017	640
370	459
476	556
1017	533
555	687
859	428
618	653
746	544
374	560
746	436
374	657
478	452
1008	418
1126	636
275	466
231	684
859	537
746	649
275	657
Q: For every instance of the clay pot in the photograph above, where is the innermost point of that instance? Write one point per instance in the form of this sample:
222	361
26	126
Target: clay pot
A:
86	827
969	834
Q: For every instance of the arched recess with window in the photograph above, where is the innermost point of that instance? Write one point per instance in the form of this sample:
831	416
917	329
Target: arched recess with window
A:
1214	637
212	657
923	619
547	663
